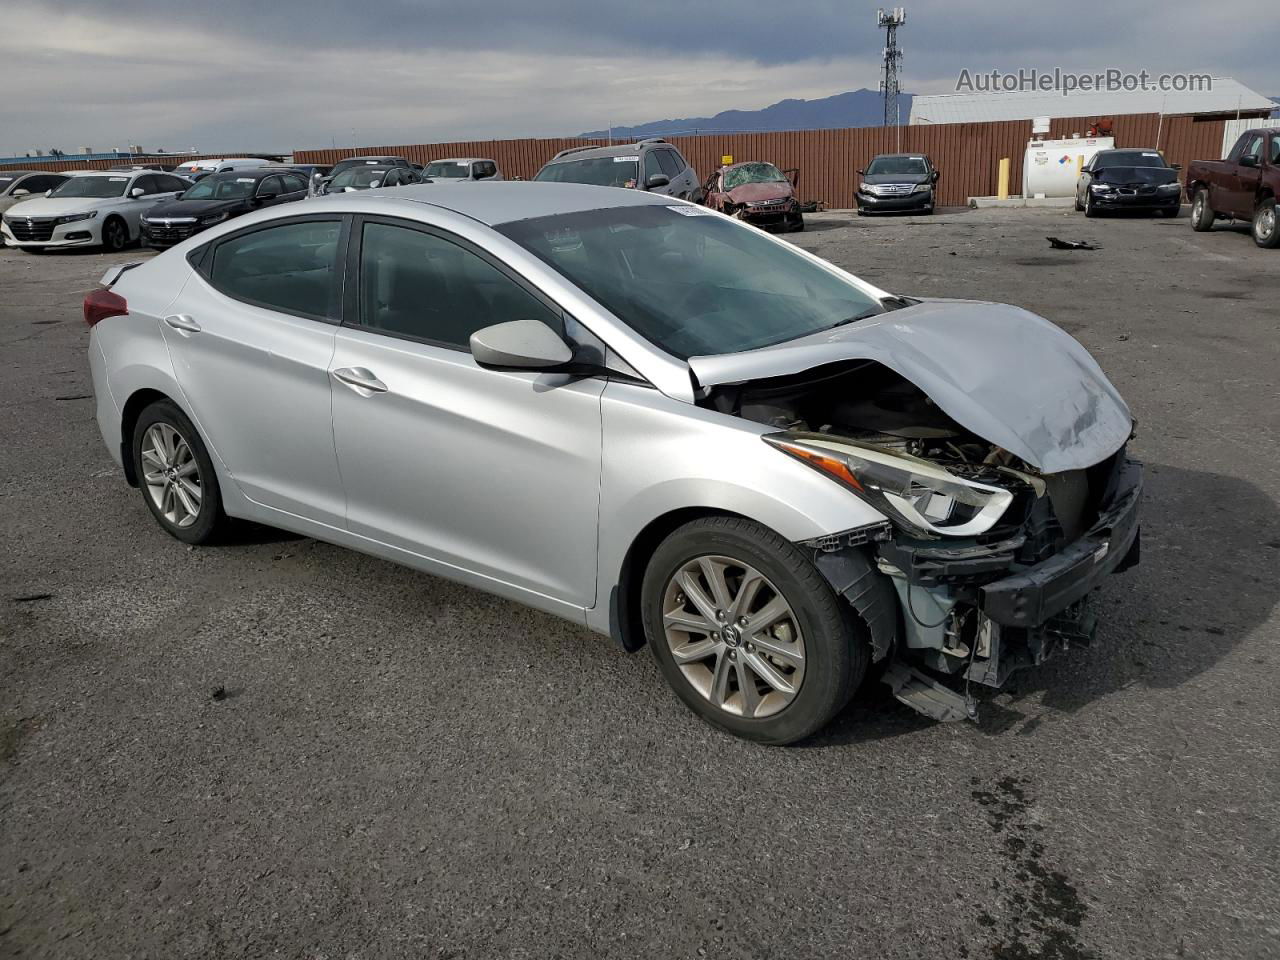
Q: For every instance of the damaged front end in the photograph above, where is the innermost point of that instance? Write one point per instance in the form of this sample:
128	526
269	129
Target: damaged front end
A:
986	558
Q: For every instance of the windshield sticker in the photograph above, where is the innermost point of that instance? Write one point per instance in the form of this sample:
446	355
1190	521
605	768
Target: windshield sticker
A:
689	210
118	179
244	179
1148	153
459	163
626	159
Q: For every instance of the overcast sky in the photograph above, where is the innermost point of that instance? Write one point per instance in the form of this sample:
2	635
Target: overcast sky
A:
278	74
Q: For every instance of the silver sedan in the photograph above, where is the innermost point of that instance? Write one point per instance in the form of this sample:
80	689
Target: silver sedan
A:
640	415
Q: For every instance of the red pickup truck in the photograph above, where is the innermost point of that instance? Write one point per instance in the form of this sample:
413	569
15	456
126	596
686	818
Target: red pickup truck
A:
1242	187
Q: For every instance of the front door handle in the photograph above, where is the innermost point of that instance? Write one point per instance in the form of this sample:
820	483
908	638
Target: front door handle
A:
182	323
360	380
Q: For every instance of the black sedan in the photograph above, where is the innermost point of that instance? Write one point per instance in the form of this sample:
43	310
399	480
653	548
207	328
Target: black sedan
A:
1128	180
897	183
218	197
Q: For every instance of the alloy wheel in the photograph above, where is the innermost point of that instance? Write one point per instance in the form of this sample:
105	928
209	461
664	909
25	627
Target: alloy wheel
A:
172	474
734	636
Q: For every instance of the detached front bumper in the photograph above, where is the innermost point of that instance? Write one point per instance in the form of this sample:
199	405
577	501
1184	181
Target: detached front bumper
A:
974	613
1032	597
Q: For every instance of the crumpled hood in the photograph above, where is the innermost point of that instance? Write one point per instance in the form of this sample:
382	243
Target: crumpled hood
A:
999	371
755	192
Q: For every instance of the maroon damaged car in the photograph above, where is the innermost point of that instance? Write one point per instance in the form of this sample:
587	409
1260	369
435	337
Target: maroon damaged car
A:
758	193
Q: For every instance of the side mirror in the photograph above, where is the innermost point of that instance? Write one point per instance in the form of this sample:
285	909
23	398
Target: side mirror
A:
862	173
934	178
21	193
49	192
1249	160
136	192
1175	166
519	345
657	180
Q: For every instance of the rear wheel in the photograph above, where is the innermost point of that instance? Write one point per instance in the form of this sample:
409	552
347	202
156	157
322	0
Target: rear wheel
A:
747	631
1201	212
176	475
1266	232
115	235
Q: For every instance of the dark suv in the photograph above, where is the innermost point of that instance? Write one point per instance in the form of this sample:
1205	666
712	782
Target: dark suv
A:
652	165
898	183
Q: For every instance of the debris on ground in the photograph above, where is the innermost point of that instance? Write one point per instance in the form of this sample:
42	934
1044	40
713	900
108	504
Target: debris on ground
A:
1071	244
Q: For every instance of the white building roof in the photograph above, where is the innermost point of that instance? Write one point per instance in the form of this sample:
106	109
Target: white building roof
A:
1226	96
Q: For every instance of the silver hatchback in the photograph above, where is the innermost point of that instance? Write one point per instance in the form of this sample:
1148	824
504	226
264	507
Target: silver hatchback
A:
640	415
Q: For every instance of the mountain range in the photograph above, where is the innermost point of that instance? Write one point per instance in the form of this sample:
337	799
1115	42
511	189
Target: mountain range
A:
857	108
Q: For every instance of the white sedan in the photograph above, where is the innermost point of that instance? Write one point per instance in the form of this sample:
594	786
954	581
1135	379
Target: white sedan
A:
92	207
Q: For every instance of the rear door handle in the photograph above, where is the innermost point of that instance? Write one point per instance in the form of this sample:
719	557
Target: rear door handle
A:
182	323
360	380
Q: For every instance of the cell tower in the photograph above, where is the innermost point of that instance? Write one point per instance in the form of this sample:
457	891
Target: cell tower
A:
891	20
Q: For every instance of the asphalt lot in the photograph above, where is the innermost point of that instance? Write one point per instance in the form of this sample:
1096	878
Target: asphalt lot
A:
405	767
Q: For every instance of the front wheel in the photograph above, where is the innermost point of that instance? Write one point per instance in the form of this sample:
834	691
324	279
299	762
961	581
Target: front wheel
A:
176	475
1266	233
115	235
747	631
1089	209
1201	213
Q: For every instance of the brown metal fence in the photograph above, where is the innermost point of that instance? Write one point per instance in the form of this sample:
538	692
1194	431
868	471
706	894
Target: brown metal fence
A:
71	163
968	154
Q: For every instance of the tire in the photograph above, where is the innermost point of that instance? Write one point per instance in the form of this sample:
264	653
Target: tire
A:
1266	226
162	421
1201	213
798	225
1090	210
115	235
817	625
1078	205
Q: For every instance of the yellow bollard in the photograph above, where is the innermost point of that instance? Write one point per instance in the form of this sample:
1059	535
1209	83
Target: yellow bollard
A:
1004	178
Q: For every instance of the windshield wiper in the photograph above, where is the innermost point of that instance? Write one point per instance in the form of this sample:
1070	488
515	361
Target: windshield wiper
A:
871	312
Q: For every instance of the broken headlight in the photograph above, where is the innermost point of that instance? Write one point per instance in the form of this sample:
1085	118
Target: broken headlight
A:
915	494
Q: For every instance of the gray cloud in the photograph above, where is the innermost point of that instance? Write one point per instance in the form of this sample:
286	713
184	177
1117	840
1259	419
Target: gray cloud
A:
290	74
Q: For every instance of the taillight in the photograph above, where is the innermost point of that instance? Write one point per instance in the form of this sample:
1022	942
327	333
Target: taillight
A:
102	304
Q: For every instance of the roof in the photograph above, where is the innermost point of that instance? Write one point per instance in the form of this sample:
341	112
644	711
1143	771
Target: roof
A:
260	172
505	201
1226	96
460	159
617	150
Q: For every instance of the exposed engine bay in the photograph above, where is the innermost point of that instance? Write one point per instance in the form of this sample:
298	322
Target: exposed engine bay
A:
985	561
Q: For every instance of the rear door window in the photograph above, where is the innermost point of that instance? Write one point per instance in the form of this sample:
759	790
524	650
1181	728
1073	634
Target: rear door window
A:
291	267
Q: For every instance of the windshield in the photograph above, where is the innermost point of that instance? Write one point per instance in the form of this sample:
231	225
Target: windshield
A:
6	183
448	169
1129	158
752	173
690	281
219	188
597	171
359	178
98	188
912	166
